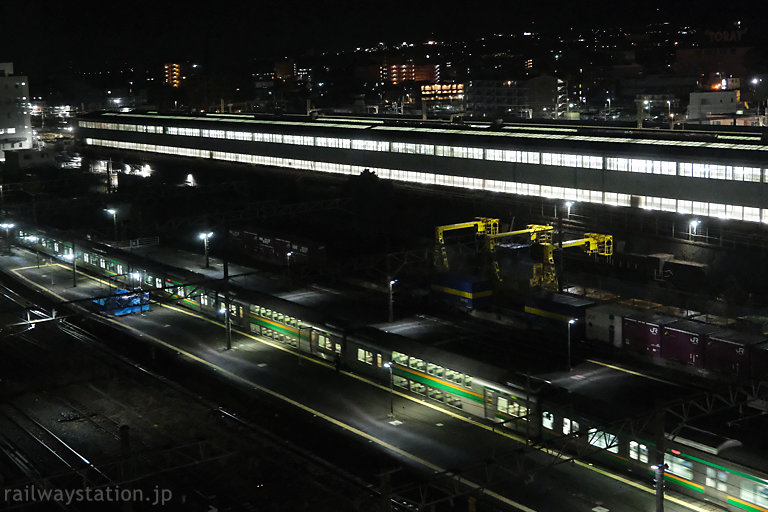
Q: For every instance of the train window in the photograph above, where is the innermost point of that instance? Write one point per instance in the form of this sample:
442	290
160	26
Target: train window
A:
55	246
119	269
379	361
254	308
453	401
148	279
434	369
400	358
102	263
454	376
570	427
467	381
435	394
263	312
603	440
400	381
417	364
754	492
280	318
418	387
204	299
679	466
502	404
717	479
158	282
254	328
86	257
180	291
547	420
365	356
638	451
323	341
520	411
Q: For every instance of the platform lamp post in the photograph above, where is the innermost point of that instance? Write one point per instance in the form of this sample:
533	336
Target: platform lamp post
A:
570	323
568	205
388	366
113	213
7	227
391	300
205	237
692	228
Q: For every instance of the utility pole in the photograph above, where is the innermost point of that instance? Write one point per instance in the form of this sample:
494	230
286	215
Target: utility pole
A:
74	266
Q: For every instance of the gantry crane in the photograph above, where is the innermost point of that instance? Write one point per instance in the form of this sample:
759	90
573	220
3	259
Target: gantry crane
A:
484	225
545	273
537	234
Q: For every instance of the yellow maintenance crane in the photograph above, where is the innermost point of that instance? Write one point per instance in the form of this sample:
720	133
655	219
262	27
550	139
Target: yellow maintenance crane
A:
484	225
545	273
536	234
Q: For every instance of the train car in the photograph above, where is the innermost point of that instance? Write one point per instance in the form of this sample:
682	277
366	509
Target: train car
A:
641	332
556	310
686	275
605	321
471	292
728	352
445	378
683	341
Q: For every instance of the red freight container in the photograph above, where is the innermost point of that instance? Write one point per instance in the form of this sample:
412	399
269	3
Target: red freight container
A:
684	341
641	332
728	352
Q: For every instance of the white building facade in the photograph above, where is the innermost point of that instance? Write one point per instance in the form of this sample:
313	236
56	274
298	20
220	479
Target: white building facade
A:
15	124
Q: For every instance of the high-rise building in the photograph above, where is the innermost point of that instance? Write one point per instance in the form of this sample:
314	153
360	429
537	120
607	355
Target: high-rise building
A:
15	124
393	74
173	74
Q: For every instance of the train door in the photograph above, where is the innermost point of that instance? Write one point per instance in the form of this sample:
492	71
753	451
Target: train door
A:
490	403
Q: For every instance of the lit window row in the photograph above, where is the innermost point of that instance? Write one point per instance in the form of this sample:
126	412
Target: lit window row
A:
585	161
688	169
737	212
641	166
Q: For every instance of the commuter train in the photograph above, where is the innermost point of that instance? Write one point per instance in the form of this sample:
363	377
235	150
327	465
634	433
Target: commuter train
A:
703	465
706	349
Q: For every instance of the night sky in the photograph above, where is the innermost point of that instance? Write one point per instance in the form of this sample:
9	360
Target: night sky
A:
43	37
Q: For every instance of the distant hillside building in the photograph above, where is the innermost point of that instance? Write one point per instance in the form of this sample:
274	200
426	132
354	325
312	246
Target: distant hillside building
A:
540	98
15	124
173	74
393	74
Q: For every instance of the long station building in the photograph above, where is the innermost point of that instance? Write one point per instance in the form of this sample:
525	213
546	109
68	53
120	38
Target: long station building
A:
702	173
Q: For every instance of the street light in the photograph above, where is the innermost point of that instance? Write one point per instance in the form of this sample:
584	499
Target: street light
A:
113	213
568	205
288	258
388	366
7	226
204	237
570	323
391	300
692	228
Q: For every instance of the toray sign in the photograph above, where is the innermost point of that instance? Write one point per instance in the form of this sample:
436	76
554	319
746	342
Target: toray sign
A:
726	36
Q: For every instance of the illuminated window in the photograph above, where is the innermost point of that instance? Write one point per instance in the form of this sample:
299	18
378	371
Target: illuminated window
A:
638	451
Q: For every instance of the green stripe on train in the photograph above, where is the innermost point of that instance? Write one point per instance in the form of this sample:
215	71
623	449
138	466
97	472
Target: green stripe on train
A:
435	383
729	470
274	327
744	505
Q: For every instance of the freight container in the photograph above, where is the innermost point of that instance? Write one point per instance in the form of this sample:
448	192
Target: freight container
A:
641	332
604	323
728	351
683	341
